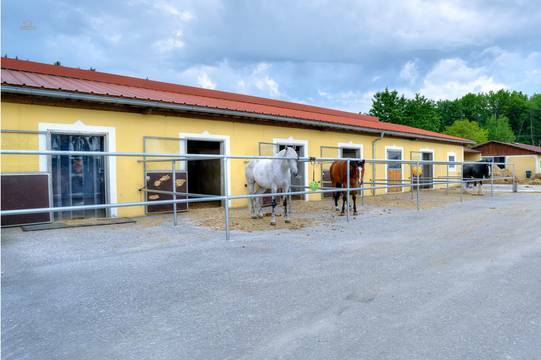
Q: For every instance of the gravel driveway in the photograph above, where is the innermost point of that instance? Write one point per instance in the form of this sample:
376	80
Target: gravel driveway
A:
458	282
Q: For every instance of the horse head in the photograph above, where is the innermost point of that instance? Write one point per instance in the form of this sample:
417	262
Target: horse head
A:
358	164
292	159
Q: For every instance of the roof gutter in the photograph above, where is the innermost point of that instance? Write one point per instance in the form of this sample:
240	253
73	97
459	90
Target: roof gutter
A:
58	94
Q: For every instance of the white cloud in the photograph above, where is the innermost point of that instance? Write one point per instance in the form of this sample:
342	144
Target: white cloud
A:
251	79
353	101
204	81
409	72
452	78
170	9
171	43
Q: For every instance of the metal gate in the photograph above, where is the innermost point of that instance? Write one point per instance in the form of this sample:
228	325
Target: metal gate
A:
427	173
329	152
159	175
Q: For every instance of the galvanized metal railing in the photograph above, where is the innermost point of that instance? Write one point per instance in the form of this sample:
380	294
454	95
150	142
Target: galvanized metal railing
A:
227	197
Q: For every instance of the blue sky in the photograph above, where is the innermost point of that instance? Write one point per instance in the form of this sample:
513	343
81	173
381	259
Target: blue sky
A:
329	53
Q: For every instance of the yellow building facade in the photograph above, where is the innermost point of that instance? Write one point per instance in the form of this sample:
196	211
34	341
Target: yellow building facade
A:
48	107
124	132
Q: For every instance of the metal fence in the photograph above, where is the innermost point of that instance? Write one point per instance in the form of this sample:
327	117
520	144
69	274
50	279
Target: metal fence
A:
174	159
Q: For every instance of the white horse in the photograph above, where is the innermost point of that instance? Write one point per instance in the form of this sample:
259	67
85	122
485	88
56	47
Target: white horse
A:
273	174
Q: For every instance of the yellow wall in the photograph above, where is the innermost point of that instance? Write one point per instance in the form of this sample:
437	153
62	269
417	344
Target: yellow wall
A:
472	156
244	137
522	163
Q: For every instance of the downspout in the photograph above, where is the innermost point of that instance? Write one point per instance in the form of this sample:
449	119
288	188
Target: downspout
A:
374	165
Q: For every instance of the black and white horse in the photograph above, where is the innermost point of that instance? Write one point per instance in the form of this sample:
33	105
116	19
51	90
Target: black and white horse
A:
476	172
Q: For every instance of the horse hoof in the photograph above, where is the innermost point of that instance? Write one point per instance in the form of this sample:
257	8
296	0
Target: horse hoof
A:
288	221
254	217
337	209
273	223
355	213
341	214
260	216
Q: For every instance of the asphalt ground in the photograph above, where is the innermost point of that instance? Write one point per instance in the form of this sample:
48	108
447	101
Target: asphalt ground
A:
461	281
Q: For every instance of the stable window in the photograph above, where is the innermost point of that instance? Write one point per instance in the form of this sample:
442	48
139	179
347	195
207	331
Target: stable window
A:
394	170
495	159
451	157
394	155
354	153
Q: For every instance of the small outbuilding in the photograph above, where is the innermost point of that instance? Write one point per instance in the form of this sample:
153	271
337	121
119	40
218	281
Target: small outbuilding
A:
525	158
471	154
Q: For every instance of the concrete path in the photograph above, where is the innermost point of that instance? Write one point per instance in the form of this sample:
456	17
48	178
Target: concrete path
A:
459	282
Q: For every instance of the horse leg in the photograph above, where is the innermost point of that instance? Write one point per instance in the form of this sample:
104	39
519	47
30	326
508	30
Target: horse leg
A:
252	201
354	197
286	213
273	218
336	196
289	202
258	201
344	195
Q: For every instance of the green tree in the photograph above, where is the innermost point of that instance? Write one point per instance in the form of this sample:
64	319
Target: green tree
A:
450	111
468	130
389	106
499	129
474	107
514	106
532	134
422	113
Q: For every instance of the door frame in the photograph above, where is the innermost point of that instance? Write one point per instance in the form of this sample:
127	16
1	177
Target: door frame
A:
304	144
206	136
401	149
429	151
79	128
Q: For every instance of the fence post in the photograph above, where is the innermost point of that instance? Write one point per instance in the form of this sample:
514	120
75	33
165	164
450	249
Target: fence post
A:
362	194
418	185
412	180
347	193
515	185
492	179
174	178
447	180
462	181
226	192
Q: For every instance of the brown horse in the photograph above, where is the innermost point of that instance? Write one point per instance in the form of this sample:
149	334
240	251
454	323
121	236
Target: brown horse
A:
339	179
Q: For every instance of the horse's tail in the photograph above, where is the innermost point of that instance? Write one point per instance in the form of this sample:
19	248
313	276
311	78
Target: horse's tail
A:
249	172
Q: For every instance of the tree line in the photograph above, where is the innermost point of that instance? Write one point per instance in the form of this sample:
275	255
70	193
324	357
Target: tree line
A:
508	116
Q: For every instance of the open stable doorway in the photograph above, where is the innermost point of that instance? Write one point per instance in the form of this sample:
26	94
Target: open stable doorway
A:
205	176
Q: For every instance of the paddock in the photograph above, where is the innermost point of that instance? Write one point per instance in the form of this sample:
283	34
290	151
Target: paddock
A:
175	182
447	282
313	213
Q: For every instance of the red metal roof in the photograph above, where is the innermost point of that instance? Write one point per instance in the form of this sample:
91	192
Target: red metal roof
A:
528	148
532	148
52	77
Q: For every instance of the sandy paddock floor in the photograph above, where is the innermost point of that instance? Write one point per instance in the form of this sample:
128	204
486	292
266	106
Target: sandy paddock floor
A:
306	213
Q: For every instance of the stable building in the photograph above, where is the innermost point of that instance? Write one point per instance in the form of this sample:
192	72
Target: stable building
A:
48	107
525	158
